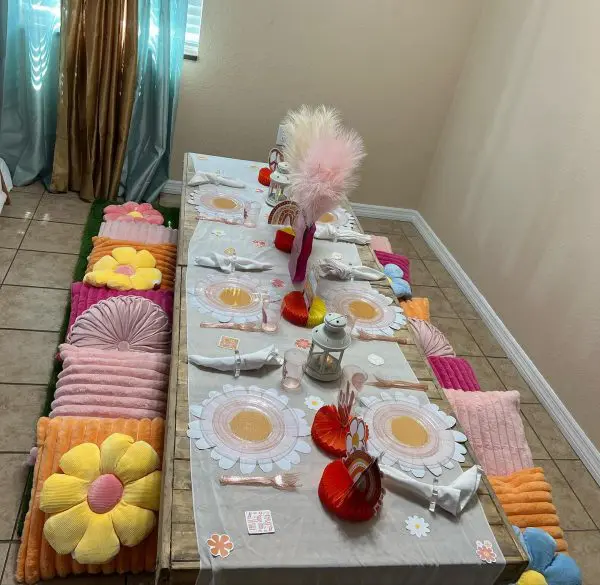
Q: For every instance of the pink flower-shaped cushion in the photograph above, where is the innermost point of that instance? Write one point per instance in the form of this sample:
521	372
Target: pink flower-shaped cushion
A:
84	296
430	338
133	212
454	372
125	323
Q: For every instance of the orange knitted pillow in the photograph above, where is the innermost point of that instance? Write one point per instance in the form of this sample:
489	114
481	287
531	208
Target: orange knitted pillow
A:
37	559
165	255
526	497
417	308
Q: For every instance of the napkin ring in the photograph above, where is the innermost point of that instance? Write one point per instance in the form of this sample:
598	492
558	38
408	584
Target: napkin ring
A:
434	495
238	364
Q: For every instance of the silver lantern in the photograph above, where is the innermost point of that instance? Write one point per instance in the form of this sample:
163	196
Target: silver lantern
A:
329	341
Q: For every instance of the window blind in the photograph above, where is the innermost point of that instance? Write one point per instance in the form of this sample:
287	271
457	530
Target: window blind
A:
192	29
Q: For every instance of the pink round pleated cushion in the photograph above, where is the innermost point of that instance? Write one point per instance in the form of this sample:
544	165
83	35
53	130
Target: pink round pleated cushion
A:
430	338
84	296
125	323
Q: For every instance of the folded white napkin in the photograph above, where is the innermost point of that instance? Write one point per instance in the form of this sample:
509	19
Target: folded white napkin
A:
268	356
332	268
327	231
204	178
228	263
453	498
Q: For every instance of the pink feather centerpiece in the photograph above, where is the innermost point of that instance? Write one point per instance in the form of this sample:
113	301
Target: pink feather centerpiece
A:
324	158
326	174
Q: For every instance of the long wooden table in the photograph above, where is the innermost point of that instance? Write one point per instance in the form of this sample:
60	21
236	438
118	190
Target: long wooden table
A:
178	559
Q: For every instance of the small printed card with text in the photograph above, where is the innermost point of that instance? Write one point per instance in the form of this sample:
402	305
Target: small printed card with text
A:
227	342
259	522
310	287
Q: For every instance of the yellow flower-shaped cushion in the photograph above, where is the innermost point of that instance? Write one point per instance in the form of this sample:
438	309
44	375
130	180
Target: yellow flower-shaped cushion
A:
125	269
532	578
105	497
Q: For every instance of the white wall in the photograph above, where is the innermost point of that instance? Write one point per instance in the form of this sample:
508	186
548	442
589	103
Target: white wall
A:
514	190
390	66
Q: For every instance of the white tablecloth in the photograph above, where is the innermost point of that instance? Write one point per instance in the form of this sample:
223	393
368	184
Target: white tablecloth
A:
309	545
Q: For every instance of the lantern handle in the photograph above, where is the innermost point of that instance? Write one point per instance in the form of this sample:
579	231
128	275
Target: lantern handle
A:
275	157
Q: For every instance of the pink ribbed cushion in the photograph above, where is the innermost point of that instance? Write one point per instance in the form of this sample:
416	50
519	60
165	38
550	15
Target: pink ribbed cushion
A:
84	296
492	422
99	400
105	412
145	233
380	244
454	372
147	360
125	323
102	383
401	261
432	341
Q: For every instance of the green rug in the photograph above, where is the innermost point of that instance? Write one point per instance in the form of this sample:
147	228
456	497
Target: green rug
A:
92	227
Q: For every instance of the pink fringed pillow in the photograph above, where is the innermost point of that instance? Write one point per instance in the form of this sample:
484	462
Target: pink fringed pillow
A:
129	323
84	296
380	244
454	372
133	212
111	384
432	341
401	261
492	422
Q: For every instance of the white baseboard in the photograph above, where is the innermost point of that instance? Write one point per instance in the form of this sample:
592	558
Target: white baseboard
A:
172	187
576	436
383	212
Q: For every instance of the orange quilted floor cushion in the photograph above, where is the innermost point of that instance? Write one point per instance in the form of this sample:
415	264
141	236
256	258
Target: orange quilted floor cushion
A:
417	308
526	497
165	255
37	559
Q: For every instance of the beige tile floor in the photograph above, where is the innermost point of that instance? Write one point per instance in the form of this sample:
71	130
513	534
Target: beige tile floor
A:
39	239
576	494
40	234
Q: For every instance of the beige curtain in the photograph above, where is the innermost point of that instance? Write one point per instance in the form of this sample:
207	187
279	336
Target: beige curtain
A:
98	66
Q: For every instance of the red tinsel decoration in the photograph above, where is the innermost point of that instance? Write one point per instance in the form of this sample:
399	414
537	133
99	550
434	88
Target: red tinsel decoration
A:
264	176
284	241
293	308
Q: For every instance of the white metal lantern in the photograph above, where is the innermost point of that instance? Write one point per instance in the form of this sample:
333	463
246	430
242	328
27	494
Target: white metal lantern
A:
329	341
280	179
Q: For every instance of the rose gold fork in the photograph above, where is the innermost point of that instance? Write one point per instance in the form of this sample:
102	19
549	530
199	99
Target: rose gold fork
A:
281	481
383	383
364	336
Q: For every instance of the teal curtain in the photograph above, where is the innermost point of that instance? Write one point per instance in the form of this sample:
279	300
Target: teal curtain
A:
30	41
160	59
